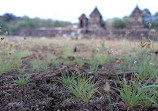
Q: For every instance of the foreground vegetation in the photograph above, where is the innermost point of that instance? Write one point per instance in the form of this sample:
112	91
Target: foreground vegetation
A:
56	73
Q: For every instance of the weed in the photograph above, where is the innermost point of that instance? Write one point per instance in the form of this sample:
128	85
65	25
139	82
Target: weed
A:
94	69
66	79
92	62
54	86
110	57
43	65
65	45
6	63
145	68
130	94
98	59
22	80
150	95
34	65
79	62
21	70
67	53
136	92
83	88
103	47
55	61
101	59
126	63
107	91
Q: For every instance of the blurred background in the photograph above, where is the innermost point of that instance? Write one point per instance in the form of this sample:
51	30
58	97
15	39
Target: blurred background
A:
27	14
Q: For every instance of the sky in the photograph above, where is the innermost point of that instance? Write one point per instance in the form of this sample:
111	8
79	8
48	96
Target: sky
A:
70	10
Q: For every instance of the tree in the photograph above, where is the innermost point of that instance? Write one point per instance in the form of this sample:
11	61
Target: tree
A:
147	17
126	20
120	23
146	13
155	24
156	14
7	17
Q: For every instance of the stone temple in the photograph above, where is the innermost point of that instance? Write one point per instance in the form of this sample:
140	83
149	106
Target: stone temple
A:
94	22
94	27
83	21
136	19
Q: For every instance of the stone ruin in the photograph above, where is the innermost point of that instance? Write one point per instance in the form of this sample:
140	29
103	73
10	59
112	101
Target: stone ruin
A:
93	27
49	32
93	23
136	19
95	20
83	21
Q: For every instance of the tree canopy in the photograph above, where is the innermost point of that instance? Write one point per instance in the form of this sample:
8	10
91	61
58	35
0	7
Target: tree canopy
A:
14	24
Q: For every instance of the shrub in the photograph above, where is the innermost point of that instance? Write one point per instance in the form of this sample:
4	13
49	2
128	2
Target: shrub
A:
81	87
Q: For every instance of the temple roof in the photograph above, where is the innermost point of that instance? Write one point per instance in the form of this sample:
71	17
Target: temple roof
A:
83	16
136	12
95	12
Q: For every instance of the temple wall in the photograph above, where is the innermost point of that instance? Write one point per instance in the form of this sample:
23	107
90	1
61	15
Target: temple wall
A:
98	33
121	34
46	32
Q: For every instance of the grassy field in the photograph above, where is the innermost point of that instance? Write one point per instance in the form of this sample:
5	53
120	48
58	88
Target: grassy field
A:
50	74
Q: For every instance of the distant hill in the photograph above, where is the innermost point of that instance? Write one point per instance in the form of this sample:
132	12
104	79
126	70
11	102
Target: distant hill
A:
13	24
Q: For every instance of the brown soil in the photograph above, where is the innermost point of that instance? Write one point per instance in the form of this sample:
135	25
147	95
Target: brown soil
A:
45	93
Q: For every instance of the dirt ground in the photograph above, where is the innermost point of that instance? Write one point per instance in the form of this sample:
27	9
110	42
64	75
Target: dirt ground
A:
44	92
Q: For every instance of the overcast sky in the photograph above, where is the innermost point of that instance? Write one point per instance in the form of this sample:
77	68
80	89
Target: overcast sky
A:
70	10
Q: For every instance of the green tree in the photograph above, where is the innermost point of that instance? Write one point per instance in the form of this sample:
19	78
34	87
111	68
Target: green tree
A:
7	17
147	17
120	23
14	24
156	14
146	13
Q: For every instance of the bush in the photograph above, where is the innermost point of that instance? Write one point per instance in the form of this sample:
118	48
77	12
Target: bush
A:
120	23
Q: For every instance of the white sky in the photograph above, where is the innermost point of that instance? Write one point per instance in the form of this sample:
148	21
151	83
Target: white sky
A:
70	10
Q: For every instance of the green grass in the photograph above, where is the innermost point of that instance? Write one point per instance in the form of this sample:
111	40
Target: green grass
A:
6	65
67	53
97	59
101	59
21	70
144	67
136	93
39	65
66	79
137	90
43	65
10	56
127	63
55	60
22	80
81	86
34	65
79	62
94	69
